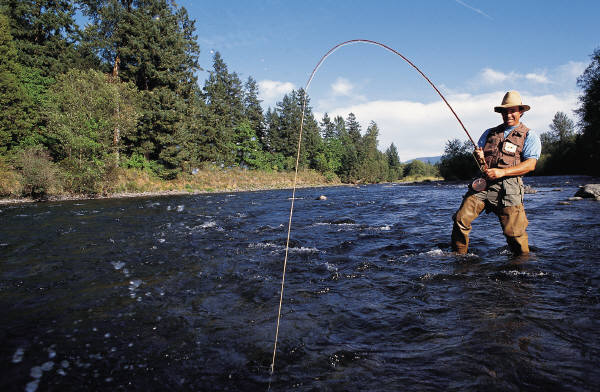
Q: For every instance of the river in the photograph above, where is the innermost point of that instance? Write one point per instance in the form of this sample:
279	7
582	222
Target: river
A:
181	293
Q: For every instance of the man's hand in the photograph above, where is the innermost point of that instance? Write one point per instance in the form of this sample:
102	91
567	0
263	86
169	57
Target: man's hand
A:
519	170
494	174
478	152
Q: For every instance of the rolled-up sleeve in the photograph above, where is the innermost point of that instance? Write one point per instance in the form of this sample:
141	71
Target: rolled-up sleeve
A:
533	146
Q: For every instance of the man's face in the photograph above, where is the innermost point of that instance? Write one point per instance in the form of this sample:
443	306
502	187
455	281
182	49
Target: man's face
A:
511	116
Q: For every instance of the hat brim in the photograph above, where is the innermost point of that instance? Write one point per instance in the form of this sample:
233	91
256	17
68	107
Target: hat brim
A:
500	109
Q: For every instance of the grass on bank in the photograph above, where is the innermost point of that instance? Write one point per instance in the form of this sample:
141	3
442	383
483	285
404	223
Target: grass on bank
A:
214	180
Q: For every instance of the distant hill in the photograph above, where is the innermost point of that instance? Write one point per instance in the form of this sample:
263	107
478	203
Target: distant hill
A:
430	160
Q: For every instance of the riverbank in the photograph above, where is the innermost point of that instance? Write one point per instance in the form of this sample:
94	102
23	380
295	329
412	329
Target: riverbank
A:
137	183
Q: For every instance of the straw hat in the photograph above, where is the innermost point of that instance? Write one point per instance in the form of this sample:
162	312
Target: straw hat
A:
512	99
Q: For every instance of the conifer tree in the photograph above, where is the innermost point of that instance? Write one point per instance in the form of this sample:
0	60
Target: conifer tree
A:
394	164
16	106
373	166
340	126
224	96
253	110
284	129
589	114
44	32
353	128
328	127
152	44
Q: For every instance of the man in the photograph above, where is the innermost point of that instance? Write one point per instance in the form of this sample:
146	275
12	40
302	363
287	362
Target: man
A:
509	150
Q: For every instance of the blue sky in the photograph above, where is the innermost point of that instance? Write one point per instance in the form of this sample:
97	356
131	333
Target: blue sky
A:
474	51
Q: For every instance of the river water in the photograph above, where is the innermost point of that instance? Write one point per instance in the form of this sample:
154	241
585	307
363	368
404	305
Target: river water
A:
181	293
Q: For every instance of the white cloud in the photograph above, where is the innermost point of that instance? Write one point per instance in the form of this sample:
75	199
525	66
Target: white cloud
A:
490	76
563	76
272	91
570	71
422	129
342	87
538	78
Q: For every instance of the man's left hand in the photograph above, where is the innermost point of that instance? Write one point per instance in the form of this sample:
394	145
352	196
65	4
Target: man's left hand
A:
494	174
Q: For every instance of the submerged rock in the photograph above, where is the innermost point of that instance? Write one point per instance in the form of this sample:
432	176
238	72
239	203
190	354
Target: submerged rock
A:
322	197
589	191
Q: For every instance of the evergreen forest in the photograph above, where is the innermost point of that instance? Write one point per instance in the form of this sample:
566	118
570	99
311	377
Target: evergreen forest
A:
83	105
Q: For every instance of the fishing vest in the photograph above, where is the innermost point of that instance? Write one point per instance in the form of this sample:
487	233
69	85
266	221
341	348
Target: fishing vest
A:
501	152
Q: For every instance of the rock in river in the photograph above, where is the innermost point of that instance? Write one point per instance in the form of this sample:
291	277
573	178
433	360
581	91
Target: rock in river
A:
589	191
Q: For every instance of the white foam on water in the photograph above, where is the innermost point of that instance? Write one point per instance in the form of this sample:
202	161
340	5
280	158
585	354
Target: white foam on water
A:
381	228
330	267
209	224
47	366
265	245
433	252
525	273
304	249
32	386
134	284
36	372
180	208
118	264
18	355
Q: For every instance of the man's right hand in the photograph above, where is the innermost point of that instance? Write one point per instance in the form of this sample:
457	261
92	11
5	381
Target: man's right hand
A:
478	152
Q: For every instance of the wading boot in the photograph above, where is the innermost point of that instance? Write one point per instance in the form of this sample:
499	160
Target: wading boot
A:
470	209
514	222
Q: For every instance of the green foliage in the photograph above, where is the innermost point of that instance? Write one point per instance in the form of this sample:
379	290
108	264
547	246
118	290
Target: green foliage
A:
89	114
151	43
40	176
395	168
253	111
560	152
44	32
458	161
10	180
417	168
248	150
283	129
373	166
86	176
225	109
353	129
138	161
15	117
589	116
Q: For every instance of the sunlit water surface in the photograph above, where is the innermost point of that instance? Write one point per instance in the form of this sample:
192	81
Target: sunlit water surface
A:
181	293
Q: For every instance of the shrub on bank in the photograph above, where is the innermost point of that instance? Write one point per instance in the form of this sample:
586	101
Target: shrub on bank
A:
39	176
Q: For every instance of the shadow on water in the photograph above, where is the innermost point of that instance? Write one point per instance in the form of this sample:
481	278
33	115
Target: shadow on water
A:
182	293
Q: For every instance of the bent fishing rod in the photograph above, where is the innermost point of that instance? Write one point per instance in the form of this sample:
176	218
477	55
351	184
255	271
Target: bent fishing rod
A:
478	184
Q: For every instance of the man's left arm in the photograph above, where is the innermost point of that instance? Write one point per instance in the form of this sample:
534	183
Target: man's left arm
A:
531	153
521	169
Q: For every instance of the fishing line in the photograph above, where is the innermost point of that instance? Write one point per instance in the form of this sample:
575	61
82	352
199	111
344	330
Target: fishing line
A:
312	75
